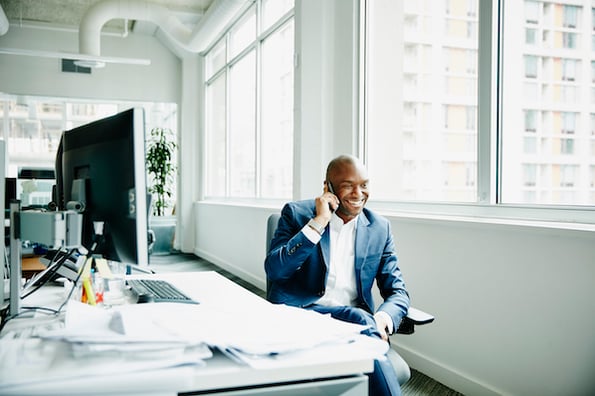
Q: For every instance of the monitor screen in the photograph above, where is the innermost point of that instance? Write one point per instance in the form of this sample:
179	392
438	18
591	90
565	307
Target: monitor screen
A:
100	170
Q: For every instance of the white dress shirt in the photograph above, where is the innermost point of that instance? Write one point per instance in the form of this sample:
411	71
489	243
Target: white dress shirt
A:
341	289
340	286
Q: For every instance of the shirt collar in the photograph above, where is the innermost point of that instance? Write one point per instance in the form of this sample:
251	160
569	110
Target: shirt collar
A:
337	222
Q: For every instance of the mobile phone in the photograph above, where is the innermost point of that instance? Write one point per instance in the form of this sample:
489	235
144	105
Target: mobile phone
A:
332	191
330	188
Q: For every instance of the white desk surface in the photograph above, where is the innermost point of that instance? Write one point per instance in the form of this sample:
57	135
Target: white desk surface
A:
213	291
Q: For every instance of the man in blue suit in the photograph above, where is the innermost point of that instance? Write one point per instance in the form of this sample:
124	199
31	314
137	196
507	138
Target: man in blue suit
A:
326	254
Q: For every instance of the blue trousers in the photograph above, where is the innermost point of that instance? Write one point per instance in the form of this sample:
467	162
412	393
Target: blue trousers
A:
383	380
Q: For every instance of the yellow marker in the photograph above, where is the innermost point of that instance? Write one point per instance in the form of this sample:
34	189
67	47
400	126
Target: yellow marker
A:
85	272
89	291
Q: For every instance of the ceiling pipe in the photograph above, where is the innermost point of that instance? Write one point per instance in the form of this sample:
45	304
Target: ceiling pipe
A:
218	16
104	11
3	22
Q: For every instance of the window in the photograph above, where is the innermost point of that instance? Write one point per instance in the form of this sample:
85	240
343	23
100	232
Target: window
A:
243	33
249	105
568	69
242	127
527	141
216	143
443	162
568	123
531	66
561	130
567	146
531	12
277	113
530	120
570	16
34	125
569	40
530	36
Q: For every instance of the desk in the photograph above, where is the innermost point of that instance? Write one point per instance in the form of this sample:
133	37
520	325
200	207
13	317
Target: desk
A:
314	371
31	266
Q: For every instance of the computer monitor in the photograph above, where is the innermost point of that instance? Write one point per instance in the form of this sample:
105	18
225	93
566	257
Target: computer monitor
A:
100	170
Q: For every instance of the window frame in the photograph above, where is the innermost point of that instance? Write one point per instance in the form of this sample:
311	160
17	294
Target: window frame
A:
224	72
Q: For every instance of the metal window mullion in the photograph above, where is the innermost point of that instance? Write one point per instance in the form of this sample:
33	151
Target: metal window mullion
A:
258	106
487	104
363	91
227	122
275	27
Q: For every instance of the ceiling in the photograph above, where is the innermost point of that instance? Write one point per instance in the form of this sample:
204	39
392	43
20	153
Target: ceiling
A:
68	13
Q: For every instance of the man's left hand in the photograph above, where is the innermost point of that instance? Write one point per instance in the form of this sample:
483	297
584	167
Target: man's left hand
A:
384	324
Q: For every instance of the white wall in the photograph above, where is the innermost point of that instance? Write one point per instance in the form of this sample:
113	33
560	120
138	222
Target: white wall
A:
27	75
513	305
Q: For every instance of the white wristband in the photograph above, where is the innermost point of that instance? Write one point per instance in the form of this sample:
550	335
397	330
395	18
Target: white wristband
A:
313	224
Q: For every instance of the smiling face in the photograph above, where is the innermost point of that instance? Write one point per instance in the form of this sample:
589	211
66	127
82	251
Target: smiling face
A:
349	180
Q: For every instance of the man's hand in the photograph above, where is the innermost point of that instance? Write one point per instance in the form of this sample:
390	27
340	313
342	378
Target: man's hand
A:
326	204
384	324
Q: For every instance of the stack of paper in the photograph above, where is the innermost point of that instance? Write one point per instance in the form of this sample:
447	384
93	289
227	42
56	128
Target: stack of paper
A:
96	340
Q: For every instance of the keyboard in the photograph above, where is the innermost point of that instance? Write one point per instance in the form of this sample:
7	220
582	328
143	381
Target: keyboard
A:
156	290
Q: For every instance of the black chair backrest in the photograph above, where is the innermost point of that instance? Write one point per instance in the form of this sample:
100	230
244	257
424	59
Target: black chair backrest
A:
272	223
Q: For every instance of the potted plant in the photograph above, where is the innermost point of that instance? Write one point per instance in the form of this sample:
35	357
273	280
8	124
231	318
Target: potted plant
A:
161	172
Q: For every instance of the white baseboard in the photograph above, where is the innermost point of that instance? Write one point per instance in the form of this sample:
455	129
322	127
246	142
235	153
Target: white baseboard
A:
444	374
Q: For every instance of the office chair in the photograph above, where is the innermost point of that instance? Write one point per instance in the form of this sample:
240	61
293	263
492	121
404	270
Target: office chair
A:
407	326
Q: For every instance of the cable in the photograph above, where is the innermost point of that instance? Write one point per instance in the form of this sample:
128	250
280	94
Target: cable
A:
57	263
53	269
70	293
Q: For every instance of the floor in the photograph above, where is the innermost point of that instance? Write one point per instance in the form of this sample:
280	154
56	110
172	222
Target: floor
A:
419	384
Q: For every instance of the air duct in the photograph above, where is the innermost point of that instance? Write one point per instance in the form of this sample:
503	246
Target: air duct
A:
3	22
218	16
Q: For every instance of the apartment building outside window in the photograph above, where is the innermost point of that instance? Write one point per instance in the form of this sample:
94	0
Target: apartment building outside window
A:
249	105
542	147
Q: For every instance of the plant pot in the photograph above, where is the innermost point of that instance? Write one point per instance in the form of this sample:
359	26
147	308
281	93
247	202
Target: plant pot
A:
164	230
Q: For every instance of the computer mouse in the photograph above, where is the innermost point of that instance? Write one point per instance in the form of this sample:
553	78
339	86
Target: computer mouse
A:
144	298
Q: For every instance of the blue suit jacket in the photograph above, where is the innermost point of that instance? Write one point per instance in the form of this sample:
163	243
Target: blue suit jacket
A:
297	269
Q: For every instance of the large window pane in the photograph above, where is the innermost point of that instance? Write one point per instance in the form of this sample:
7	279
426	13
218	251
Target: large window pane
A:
216	138
243	33
277	113
421	104
215	59
546	133
273	10
242	127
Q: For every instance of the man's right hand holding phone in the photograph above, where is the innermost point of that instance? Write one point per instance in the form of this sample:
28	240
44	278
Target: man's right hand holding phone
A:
326	204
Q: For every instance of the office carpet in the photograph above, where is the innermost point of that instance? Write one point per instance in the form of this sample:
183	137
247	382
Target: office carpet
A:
419	384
